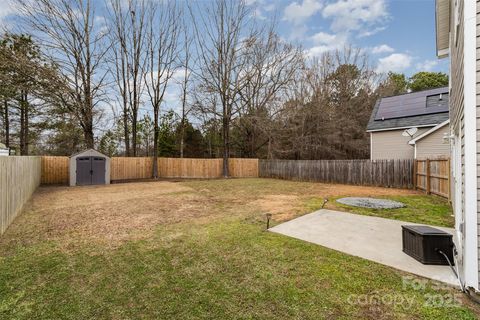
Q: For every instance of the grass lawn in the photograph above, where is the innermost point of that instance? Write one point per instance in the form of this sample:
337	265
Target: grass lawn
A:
198	250
423	209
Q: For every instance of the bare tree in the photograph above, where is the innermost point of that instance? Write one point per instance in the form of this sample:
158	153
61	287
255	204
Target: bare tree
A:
73	39
272	66
129	61
221	31
184	85
119	68
162	44
326	114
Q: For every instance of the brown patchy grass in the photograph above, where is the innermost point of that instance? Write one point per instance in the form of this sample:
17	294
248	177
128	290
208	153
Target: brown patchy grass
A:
291	199
117	213
109	214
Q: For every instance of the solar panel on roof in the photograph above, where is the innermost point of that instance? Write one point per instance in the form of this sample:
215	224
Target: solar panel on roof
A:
413	104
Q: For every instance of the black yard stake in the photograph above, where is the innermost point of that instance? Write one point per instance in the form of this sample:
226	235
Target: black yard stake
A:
324	202
269	215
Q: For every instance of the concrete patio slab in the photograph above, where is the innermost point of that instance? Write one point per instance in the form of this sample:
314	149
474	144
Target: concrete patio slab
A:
372	238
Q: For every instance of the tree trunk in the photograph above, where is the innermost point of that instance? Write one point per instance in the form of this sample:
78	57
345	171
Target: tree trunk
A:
182	136
155	143
269	149
26	129
6	122
126	131
22	125
88	135
23	104
134	135
226	146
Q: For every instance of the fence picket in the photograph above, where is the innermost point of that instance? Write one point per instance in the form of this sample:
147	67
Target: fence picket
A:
385	173
19	177
55	170
433	176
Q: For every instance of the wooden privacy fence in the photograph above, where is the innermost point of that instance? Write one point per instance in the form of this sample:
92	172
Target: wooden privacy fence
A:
384	173
55	170
125	168
19	177
433	176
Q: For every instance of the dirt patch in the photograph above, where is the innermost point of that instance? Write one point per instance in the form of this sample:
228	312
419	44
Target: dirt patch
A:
285	207
58	197
282	207
108	214
334	190
115	213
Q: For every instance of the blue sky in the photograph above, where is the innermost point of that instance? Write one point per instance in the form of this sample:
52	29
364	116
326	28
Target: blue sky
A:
398	35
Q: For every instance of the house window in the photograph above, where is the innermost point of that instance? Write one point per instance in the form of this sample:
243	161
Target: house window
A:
437	100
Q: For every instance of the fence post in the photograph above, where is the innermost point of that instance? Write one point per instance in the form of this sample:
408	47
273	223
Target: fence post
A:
448	179
415	173
427	177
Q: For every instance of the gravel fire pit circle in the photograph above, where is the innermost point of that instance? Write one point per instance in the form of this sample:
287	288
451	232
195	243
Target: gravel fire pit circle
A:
371	203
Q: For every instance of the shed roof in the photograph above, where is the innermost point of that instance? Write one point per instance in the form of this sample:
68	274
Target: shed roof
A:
89	152
417	109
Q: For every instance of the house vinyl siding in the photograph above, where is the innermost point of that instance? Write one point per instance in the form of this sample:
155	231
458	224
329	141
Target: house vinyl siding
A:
464	121
464	113
456	70
433	145
477	65
392	145
456	110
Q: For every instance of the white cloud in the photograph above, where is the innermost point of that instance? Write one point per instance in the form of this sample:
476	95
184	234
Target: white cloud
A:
317	51
269	7
257	13
263	4
323	37
298	12
360	18
298	32
383	48
427	65
396	62
179	74
350	15
259	7
370	32
324	42
8	9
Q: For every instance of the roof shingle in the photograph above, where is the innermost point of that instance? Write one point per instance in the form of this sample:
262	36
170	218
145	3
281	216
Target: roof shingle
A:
422	108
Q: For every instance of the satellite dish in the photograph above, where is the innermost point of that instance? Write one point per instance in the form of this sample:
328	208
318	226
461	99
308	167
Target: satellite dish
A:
410	132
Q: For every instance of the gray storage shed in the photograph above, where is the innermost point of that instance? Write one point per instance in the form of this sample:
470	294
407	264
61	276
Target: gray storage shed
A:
89	167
